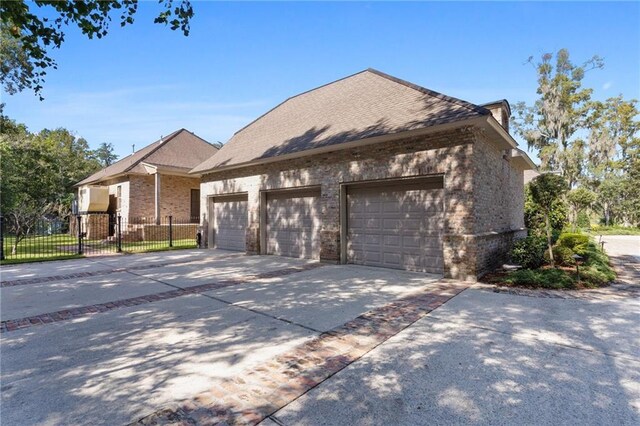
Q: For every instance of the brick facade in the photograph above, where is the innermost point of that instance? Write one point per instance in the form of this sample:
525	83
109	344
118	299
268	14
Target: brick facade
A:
175	196
482	199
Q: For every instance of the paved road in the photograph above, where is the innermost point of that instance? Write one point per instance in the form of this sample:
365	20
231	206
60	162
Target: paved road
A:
622	245
495	359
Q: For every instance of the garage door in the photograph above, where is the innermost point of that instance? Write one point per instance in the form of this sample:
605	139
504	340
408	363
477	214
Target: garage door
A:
230	222
396	226
293	224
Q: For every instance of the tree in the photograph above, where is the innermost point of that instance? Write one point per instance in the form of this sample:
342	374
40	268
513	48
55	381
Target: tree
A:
580	199
105	155
534	219
37	174
34	36
23	195
546	190
612	136
15	67
551	123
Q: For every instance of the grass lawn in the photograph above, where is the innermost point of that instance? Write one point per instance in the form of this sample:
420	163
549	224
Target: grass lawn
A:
64	246
142	246
613	230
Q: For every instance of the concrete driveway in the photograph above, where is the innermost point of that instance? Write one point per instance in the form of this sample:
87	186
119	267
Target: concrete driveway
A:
110	340
200	337
494	358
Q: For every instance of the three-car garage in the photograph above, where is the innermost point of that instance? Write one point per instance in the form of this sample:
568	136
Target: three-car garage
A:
391	223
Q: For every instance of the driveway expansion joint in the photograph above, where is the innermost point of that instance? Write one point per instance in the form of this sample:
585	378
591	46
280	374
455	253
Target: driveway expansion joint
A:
83	311
255	311
259	392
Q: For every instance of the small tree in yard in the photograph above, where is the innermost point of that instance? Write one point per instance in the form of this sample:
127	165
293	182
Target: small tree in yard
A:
546	189
580	199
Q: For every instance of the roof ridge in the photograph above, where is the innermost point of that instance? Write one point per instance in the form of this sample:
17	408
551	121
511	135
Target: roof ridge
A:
201	138
422	89
163	141
473	107
299	94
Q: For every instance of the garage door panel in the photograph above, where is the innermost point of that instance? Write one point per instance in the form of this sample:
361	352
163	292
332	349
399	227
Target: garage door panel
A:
293	224
230	222
392	240
408	226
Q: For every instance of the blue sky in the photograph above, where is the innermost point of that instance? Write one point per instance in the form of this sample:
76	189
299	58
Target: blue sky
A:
241	59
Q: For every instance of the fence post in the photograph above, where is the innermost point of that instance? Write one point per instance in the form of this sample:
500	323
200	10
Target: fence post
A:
1	238
79	221
119	235
170	231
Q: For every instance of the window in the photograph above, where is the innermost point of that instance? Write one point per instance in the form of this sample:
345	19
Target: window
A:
118	195
195	205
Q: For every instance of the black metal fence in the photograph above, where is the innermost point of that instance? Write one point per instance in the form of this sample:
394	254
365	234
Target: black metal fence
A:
93	234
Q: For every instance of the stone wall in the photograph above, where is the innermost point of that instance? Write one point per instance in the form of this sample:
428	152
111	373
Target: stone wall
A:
498	204
448	153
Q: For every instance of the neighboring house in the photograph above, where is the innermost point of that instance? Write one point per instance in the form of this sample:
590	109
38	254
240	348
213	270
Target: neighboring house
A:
371	170
530	175
150	184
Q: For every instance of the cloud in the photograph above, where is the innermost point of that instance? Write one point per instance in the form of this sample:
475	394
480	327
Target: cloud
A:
607	85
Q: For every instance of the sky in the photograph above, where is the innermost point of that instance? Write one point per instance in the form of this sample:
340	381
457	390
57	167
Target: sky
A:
241	59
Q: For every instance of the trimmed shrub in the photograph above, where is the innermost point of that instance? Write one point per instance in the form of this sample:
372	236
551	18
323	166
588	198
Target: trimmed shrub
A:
546	278
571	240
529	252
583	221
562	255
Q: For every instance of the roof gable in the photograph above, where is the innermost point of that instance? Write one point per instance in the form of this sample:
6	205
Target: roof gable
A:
363	105
180	149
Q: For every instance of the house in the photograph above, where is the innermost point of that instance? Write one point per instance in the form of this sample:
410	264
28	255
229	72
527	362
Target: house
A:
148	185
371	170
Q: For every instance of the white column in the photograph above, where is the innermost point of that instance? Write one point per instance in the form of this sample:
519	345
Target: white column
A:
157	181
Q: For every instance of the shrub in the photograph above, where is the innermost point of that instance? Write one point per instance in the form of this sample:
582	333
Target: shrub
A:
529	252
593	277
571	240
534	219
546	278
583	221
562	255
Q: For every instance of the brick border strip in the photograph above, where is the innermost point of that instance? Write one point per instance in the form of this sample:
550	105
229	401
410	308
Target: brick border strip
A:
259	392
25	281
69	314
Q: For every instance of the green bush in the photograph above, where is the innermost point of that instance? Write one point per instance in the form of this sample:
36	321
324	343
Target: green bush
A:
562	255
593	277
571	240
534	219
583	221
596	265
529	252
546	278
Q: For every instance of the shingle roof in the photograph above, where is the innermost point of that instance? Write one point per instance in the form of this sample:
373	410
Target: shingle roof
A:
367	104
180	149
